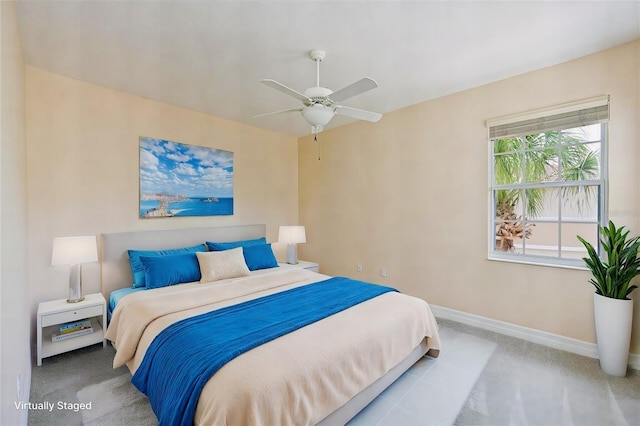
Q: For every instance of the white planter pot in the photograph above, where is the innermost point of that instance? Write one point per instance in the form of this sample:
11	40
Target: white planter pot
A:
613	333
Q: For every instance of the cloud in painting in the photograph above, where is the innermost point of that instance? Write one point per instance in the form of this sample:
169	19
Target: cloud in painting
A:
190	171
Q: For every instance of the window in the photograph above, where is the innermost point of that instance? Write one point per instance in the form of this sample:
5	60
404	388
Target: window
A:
548	175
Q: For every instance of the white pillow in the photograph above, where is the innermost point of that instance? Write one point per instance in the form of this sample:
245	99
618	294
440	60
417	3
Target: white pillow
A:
218	265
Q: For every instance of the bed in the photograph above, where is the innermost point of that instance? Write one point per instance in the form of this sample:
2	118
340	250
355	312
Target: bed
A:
323	372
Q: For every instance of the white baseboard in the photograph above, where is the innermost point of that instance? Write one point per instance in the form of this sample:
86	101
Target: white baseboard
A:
529	334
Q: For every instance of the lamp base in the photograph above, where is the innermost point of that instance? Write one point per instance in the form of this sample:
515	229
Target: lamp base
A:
292	254
75	284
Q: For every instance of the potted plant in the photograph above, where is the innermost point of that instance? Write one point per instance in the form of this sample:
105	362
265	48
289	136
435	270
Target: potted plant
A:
613	309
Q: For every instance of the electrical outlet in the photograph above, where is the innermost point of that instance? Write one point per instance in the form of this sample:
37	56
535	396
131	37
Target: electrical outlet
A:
359	267
383	272
18	386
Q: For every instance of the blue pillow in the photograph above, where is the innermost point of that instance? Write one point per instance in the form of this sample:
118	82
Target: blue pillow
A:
213	246
137	269
259	256
162	271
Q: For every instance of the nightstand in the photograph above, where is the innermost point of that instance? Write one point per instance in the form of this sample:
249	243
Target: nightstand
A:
52	314
303	264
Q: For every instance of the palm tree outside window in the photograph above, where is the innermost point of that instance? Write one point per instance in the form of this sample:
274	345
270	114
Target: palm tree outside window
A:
548	171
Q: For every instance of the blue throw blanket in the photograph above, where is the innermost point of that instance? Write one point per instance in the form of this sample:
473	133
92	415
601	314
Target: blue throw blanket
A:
184	356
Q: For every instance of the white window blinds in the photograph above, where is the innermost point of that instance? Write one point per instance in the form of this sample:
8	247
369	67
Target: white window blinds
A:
567	116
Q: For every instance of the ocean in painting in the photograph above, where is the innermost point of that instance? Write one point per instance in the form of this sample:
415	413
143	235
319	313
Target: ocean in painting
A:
196	206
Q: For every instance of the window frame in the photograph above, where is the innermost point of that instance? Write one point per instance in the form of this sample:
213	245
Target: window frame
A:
601	183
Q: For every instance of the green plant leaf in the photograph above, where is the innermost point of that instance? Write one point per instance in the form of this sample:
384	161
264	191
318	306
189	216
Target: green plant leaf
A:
612	277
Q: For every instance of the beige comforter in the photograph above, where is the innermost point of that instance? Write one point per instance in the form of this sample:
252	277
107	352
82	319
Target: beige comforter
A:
297	379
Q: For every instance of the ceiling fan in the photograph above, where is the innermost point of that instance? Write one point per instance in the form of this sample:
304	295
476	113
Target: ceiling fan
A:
320	103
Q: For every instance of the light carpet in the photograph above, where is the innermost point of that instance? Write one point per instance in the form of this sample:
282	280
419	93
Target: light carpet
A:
110	398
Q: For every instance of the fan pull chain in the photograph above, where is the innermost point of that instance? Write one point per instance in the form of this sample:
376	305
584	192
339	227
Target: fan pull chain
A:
315	139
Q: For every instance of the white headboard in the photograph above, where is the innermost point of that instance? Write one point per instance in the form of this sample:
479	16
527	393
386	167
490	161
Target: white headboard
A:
116	270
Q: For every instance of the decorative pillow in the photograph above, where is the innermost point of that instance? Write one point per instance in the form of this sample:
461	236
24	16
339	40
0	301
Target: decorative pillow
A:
214	246
162	271
259	256
218	265
137	269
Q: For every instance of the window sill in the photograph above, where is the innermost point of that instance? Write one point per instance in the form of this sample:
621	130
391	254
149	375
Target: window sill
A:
553	263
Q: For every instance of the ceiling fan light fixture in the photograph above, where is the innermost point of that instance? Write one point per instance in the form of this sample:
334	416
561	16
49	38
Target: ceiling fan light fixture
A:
317	114
321	103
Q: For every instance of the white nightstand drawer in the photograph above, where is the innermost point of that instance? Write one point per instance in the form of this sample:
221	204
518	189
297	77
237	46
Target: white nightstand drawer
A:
71	315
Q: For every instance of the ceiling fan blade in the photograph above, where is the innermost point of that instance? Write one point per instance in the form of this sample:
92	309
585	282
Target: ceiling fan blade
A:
353	89
286	90
359	114
278	112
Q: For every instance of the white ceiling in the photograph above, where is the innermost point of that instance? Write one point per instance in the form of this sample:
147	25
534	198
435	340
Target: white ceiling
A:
209	56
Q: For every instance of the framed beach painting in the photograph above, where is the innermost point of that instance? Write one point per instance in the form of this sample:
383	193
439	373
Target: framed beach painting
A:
184	180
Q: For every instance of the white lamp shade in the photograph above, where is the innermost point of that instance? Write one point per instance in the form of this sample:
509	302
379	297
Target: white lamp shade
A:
317	114
74	250
292	235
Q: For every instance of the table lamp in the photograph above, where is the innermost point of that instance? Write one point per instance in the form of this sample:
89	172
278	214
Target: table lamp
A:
292	235
74	251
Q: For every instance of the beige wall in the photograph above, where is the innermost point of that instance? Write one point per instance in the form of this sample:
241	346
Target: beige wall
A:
410	193
82	144
15	359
